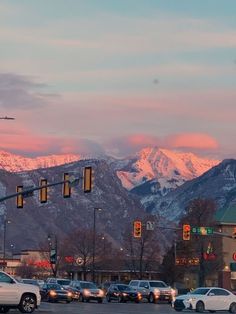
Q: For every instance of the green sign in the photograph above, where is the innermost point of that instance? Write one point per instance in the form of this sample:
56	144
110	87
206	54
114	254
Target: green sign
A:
202	230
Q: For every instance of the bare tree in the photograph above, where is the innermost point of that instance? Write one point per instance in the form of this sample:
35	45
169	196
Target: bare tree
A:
142	253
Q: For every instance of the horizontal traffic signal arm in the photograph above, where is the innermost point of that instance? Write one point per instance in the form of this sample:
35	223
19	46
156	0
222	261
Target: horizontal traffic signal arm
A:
25	192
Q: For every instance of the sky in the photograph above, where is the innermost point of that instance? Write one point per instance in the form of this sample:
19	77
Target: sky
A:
115	76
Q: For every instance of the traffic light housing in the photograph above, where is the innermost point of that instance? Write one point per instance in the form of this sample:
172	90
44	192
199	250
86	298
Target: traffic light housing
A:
88	179
19	197
53	256
66	186
43	193
186	232
137	232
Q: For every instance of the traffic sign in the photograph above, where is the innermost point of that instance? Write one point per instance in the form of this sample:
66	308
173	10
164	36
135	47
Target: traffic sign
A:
202	230
150	225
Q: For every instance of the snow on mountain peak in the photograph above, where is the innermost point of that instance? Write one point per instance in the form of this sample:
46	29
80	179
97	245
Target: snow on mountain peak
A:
170	168
16	163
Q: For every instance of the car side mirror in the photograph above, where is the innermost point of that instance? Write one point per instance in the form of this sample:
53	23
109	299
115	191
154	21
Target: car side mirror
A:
211	294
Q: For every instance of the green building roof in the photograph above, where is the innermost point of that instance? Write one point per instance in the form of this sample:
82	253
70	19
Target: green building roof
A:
226	215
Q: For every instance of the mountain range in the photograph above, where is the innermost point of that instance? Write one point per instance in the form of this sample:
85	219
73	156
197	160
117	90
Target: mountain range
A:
154	180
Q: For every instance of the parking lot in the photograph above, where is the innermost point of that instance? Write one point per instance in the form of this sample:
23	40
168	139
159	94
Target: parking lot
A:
104	308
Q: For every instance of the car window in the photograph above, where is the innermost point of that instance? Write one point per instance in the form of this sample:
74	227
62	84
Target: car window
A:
63	282
158	284
123	287
5	278
144	284
54	286
88	285
219	292
202	291
134	283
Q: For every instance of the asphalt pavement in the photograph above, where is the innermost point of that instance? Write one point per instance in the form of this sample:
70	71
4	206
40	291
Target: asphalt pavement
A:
105	308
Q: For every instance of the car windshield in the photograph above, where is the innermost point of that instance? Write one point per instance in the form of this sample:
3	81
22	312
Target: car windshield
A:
200	291
54	286
63	282
158	284
88	285
124	288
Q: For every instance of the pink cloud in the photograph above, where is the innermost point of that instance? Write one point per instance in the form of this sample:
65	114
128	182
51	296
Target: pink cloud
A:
193	141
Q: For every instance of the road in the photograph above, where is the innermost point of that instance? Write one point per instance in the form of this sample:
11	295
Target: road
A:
105	308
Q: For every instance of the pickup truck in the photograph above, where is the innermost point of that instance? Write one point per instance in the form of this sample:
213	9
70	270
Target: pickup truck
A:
14	294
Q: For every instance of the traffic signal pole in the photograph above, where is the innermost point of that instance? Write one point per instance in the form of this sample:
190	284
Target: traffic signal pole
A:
29	191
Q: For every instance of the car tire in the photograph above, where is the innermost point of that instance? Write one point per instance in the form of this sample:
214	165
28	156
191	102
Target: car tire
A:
4	309
136	301
81	298
27	303
151	298
100	300
108	298
178	310
232	308
200	307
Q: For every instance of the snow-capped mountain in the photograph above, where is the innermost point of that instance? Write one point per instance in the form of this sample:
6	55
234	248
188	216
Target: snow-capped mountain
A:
218	184
170	169
16	163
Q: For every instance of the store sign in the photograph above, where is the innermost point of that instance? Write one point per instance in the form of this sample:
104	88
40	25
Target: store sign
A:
234	256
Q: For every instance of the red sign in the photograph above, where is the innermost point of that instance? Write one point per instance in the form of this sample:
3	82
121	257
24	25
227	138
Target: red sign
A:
234	256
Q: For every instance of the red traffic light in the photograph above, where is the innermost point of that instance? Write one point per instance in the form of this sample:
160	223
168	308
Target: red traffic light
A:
186	232
137	229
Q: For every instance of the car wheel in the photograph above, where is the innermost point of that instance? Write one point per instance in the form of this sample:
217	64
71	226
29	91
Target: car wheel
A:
200	307
232	308
81	298
152	298
136	301
100	300
27	304
178	310
4	309
108	298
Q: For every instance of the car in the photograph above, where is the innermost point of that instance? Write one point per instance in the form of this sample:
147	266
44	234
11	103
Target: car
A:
53	292
123	293
154	290
75	293
65	283
206	299
15	294
88	291
30	281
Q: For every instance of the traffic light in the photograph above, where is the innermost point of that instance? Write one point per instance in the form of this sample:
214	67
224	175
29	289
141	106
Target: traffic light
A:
19	197
66	186
88	179
234	233
137	229
186	232
53	256
43	193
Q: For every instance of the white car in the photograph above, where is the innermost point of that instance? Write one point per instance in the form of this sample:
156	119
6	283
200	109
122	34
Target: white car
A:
206	298
13	294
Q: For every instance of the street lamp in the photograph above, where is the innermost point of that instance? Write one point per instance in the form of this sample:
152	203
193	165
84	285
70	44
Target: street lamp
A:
95	209
6	221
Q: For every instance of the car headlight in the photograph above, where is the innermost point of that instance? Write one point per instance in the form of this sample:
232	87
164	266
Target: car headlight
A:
69	294
86	292
139	295
124	294
191	299
101	293
173	292
52	293
156	292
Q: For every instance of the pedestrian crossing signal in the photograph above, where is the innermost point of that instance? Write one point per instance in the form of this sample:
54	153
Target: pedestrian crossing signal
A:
137	229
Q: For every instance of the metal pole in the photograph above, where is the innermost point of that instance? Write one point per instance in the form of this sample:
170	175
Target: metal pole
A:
94	228
4	243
